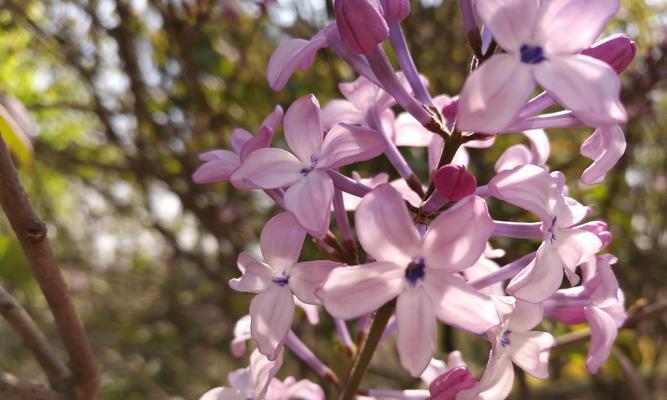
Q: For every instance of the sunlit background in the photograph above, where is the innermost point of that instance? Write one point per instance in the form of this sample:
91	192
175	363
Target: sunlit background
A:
122	95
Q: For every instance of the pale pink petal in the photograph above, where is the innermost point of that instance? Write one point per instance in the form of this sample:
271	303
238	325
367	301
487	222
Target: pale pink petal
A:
495	93
394	239
415	322
530	351
362	93
603	335
525	316
264	135
605	146
569	26
270	168
496	383
540	279
435	149
409	132
480	269
588	87
352	201
292	54
337	111
347	144
256	275
281	241
539	145
351	292
306	277
219	166
529	187
241	335
303	127
239	137
513	157
222	393
510	21
574	246
311	311
262	371
434	369
272	312
456	303
305	390
456	249
408	194
310	202
461	157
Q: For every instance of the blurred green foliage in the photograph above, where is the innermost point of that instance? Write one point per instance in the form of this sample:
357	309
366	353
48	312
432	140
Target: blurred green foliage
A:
124	94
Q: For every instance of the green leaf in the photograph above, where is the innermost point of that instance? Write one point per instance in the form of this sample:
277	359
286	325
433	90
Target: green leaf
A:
14	128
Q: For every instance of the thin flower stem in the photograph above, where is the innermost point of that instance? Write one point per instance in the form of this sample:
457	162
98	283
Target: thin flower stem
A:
366	351
307	356
400	46
506	272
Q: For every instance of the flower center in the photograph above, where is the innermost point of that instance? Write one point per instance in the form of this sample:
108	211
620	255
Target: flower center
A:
415	271
307	170
532	54
281	281
505	339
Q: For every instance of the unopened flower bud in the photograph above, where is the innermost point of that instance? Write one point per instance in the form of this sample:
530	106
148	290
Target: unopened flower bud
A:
395	10
449	384
361	24
454	182
617	50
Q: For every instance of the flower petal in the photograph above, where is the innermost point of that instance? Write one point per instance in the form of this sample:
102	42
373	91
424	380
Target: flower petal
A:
456	249
262	371
510	21
530	351
256	275
410	133
241	335
525	316
603	335
385	228
337	110
456	303
494	94
281	241
588	87
540	279
303	127
272	312
264	135
514	156
350	292
219	166
569	26
310	202
222	393
270	168
347	144
496	383
306	277
416	329
292	54
575	246
529	187
605	146
239	137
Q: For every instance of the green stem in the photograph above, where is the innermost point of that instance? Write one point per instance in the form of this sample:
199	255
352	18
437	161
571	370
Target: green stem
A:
366	351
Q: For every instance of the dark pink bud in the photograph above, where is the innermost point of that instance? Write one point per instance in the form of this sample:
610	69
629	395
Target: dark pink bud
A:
395	10
454	182
449	384
617	50
569	315
361	24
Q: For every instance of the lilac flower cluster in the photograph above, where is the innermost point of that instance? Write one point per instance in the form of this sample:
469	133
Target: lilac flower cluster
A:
427	256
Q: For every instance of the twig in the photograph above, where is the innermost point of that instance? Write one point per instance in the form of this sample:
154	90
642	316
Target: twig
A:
31	232
34	340
11	388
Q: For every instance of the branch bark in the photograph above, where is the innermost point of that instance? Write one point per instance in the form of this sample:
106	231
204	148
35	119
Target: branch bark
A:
31	232
33	338
11	388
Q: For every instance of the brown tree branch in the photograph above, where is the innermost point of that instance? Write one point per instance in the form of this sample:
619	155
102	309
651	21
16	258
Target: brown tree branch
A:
11	388
31	232
33	338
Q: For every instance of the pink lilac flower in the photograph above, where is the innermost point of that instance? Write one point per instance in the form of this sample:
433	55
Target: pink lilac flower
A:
221	164
448	385
512	342
537	153
251	382
361	24
542	41
565	245
304	172
485	266
276	279
420	271
605	146
599	301
290	388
